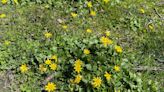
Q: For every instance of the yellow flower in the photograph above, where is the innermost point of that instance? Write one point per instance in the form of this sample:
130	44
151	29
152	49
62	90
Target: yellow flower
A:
92	13
42	68
48	35
48	62
50	87
78	62
106	41
4	1
78	78
106	1
16	1
86	51
73	14
89	31
54	57
89	4
2	15
116	68
96	82
118	49
107	75
23	68
53	66
142	10
151	26
78	68
7	42
107	33
64	26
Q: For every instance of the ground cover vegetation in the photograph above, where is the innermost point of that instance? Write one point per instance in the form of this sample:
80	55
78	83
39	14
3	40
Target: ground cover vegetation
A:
82	45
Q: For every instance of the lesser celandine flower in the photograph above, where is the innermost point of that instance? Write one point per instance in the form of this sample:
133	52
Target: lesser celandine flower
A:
42	68
48	62
78	62
3	1
89	31
23	68
7	42
92	13
48	35
78	78
106	41
107	33
107	76
142	10
50	87
116	68
64	26
106	1
96	82
78	66
89	4
2	15
54	57
53	66
74	14
118	49
86	51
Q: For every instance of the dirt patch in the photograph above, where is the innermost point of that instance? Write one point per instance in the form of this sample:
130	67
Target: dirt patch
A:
4	87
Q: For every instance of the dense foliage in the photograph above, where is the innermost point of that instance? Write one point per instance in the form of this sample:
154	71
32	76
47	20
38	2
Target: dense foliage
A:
79	45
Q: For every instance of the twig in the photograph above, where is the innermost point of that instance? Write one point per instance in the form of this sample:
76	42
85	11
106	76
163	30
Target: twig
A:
158	14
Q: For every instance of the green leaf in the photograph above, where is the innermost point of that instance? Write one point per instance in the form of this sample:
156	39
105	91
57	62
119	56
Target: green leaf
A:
88	66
